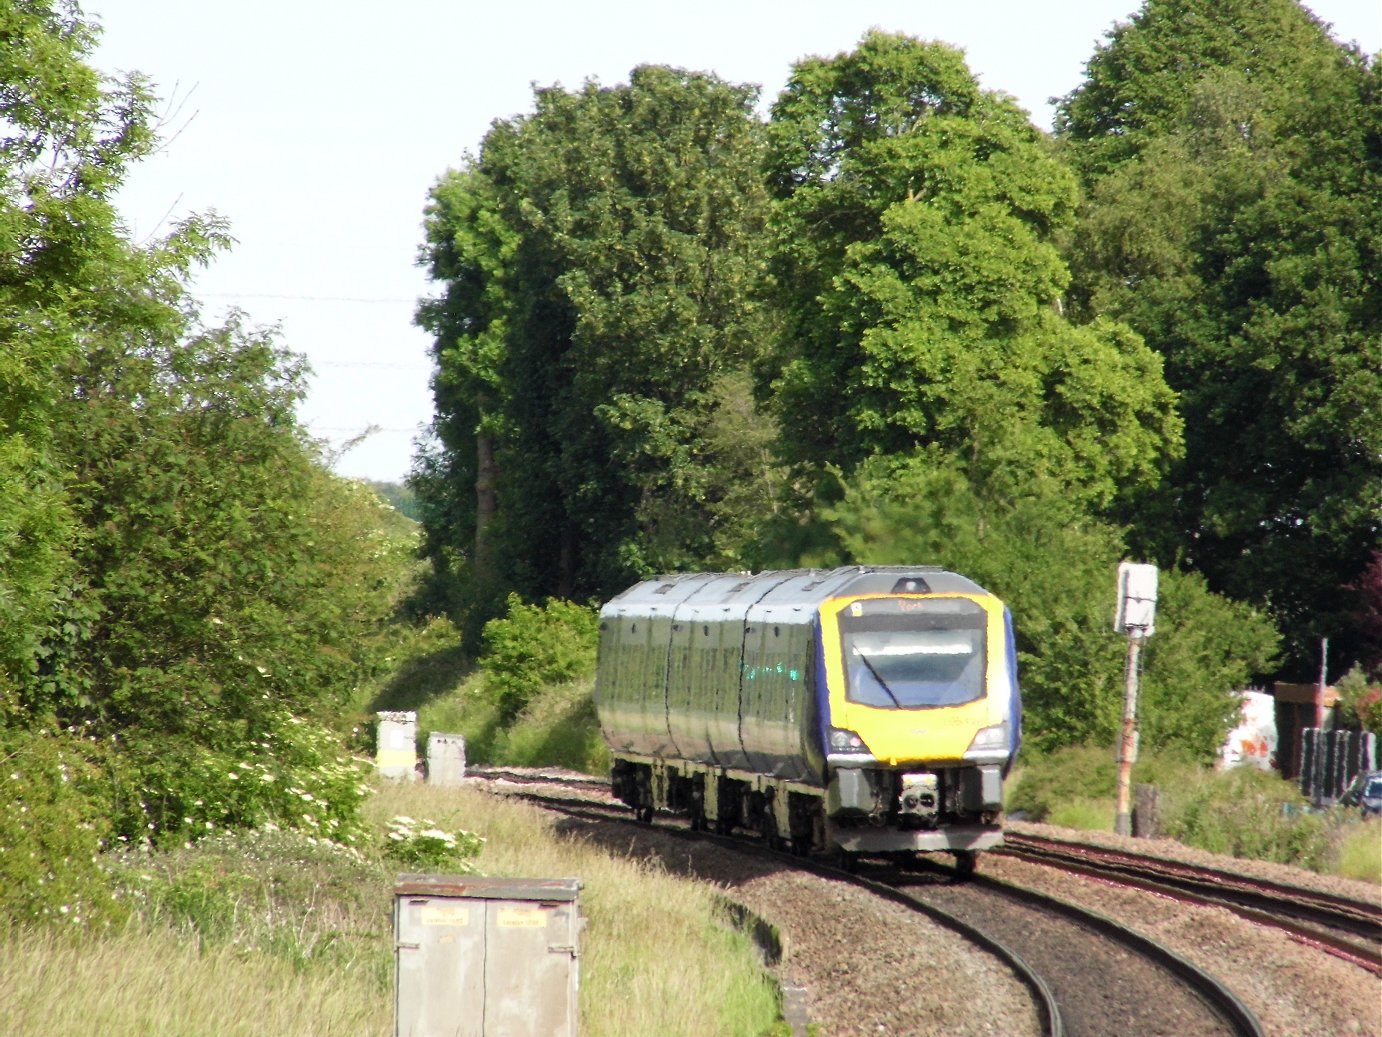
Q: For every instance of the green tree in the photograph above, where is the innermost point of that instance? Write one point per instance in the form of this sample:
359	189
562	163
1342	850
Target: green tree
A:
1055	568
597	263
181	583
920	283
1233	180
65	266
224	580
455	477
1141	84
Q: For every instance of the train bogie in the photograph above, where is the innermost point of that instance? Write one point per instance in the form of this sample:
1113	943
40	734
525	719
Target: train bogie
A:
862	710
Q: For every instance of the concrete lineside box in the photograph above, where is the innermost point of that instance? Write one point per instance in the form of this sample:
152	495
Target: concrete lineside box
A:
486	957
445	759
396	756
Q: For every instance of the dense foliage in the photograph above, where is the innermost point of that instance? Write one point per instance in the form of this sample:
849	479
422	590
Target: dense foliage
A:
1053	564
919	282
187	597
888	322
531	647
1240	812
1231	156
596	262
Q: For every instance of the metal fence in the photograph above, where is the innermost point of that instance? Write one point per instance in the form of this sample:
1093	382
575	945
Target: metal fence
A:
1330	760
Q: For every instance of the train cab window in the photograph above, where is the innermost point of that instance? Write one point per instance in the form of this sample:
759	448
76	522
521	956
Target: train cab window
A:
913	653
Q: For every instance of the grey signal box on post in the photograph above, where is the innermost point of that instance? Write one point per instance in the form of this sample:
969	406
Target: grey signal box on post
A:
485	957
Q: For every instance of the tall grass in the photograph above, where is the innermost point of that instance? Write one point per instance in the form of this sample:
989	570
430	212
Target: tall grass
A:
1358	852
275	933
559	728
1240	812
658	955
157	983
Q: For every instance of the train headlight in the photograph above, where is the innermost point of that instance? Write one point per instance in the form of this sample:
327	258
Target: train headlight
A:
843	741
989	743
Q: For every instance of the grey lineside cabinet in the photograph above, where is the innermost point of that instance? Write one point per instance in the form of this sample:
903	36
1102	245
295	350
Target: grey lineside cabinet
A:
485	957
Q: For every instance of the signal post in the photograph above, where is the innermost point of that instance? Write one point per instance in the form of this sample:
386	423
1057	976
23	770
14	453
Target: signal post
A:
1135	617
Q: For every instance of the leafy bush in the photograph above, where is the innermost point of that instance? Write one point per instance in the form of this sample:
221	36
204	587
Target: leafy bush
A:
1361	700
1072	781
289	774
1066	775
1245	812
422	846
51	833
537	645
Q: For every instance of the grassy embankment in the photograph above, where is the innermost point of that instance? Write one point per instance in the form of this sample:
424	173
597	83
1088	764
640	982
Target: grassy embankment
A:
273	933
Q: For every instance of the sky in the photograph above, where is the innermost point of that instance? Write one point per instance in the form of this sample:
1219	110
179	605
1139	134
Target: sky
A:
318	128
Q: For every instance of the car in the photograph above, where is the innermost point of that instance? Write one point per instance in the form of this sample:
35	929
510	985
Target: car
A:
1366	793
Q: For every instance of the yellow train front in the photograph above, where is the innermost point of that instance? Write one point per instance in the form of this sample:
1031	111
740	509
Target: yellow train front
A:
868	711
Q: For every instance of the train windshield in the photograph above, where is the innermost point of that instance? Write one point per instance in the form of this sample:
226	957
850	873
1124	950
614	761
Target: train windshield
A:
911	653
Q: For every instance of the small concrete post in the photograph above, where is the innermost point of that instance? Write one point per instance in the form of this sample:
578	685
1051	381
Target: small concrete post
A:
445	758
396	752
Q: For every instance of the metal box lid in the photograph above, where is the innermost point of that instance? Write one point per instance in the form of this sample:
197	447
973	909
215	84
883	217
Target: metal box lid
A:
483	888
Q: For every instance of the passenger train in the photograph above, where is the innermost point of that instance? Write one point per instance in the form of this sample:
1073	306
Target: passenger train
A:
860	711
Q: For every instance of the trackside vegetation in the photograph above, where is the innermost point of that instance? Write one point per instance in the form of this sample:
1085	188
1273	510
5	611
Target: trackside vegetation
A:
1239	812
277	931
879	319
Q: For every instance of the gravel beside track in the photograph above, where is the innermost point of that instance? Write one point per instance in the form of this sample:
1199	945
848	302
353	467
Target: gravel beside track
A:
1103	985
873	968
1295	990
867	966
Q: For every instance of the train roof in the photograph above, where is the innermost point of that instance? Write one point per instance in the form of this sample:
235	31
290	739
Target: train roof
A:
790	588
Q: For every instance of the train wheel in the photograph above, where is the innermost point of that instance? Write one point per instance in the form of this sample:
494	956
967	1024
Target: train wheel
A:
697	808
771	839
966	861
844	860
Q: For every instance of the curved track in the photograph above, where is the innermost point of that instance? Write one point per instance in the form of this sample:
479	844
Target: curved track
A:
1347	928
1107	978
1054	948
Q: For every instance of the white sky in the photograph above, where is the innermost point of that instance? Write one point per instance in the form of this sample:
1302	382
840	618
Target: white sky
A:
317	129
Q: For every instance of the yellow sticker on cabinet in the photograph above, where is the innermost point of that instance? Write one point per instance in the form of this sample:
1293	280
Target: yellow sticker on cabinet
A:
445	914
522	918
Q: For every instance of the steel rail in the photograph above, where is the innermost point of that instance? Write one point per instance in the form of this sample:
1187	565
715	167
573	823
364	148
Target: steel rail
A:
1266	903
1222	1001
1048	1009
1218	997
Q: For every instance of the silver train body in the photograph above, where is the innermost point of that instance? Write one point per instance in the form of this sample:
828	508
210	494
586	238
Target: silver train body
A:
863	710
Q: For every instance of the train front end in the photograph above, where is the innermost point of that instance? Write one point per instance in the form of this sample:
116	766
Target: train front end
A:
920	717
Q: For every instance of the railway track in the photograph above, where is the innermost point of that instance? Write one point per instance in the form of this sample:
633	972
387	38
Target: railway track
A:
1106	977
1347	928
1086	975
